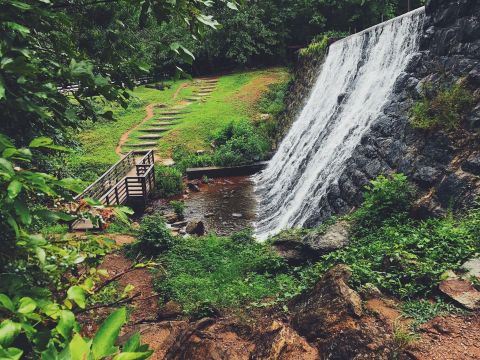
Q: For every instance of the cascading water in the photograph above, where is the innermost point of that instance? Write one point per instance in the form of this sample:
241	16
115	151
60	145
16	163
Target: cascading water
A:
354	84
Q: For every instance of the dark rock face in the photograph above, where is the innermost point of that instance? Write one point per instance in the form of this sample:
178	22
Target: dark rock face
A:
446	165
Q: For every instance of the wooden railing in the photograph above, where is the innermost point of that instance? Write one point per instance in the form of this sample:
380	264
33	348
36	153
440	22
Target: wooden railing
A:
113	189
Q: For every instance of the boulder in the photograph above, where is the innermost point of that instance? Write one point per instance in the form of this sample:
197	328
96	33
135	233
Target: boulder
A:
334	238
299	249
195	227
331	315
331	305
472	164
462	292
280	342
472	268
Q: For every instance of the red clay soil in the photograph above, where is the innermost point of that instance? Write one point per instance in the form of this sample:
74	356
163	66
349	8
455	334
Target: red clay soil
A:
449	338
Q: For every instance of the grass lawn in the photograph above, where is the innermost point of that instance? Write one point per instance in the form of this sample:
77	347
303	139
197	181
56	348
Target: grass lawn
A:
234	98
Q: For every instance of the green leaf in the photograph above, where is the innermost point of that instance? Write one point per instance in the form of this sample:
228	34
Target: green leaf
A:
133	355
6	302
6	168
8	332
66	324
23	212
77	294
132	344
46	143
26	305
14	189
41	255
232	5
79	348
104	340
11	354
2	89
23	30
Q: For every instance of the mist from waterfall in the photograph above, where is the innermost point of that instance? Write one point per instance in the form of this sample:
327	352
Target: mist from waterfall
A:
353	85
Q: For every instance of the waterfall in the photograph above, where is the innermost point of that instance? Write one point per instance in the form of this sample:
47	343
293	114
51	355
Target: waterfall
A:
353	85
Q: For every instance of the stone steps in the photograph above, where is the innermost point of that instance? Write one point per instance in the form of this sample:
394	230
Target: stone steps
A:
163	118
150	137
142	145
163	123
154	129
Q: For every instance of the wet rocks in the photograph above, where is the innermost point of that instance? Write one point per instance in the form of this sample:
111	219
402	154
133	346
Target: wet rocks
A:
195	227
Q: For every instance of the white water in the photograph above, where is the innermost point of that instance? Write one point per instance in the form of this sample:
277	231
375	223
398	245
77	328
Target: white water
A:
362	69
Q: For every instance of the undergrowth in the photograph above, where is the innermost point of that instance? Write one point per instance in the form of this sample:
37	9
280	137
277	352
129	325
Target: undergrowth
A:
445	108
422	311
168	180
402	256
320	43
212	273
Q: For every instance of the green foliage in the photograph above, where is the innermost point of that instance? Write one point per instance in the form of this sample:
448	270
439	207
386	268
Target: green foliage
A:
422	311
239	143
168	180
272	101
153	238
403	257
218	272
320	43
445	108
385	198
178	208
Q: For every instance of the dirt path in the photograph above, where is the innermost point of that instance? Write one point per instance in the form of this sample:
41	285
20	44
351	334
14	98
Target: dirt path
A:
123	139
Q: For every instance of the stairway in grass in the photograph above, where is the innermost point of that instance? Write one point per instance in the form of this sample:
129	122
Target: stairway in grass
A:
147	135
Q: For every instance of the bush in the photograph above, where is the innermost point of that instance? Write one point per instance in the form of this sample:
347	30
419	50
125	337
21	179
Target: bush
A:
385	198
153	237
403	257
444	109
214	272
178	208
422	311
321	42
185	158
239	143
168	180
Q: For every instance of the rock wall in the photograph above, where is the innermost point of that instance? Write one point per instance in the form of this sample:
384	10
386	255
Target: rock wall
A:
444	165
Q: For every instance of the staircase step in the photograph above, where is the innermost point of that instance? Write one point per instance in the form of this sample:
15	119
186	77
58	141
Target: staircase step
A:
163	123
163	118
145	144
154	129
150	137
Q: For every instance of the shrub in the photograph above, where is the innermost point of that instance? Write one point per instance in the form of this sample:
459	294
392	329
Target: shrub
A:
403	257
168	180
385	198
178	208
185	158
445	108
239	143
153	237
214	272
320	43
